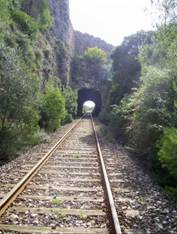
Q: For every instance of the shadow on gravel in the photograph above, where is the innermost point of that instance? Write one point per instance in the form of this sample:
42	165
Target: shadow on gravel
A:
89	140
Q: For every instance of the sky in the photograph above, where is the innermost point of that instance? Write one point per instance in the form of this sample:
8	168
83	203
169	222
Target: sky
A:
111	20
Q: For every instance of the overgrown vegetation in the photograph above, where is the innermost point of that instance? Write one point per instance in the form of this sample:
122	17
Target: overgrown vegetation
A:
39	10
71	101
126	67
95	55
143	112
25	22
143	99
18	112
26	109
93	65
168	151
52	108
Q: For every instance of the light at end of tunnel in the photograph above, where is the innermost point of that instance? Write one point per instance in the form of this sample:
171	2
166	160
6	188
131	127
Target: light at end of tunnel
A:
88	106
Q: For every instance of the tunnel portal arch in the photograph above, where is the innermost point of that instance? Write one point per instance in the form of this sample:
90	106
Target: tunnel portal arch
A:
86	94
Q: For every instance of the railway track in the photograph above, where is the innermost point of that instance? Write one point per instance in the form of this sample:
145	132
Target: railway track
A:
66	191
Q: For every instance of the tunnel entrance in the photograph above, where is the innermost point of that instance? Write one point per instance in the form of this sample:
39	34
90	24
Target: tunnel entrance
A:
89	95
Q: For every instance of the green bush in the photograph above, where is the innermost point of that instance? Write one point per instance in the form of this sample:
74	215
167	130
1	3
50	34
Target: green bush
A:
172	191
26	22
168	158
119	119
30	127
8	142
67	119
95	55
40	11
7	7
18	112
151	113
52	107
168	151
46	18
4	10
70	101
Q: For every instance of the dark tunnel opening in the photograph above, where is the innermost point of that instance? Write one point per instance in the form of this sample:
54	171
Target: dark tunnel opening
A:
89	95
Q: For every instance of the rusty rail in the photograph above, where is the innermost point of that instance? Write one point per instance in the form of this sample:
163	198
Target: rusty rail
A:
112	209
18	188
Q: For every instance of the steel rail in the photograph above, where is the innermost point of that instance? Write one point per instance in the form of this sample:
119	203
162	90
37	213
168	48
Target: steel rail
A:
112	209
20	186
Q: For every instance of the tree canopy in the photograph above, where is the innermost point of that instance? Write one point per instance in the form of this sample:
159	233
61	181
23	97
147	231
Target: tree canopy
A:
143	110
95	55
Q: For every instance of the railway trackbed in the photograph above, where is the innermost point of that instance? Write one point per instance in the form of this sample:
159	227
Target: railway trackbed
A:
69	193
66	191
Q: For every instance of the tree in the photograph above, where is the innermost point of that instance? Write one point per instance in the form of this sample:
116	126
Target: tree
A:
145	96
92	65
126	67
166	11
18	113
95	55
52	107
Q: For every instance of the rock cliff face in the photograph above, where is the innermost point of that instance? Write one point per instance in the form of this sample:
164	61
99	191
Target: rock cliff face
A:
62	26
62	31
84	41
58	46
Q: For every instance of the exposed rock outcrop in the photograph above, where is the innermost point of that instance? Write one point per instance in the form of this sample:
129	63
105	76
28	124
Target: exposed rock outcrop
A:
55	45
84	41
63	33
57	49
62	26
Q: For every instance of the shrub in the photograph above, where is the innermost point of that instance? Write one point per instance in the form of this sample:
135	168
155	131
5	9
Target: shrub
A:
46	17
7	145
40	11
95	55
6	7
120	117
168	151
52	107
152	113
4	10
18	113
26	22
168	158
41	137
30	127
67	119
172	191
70	101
